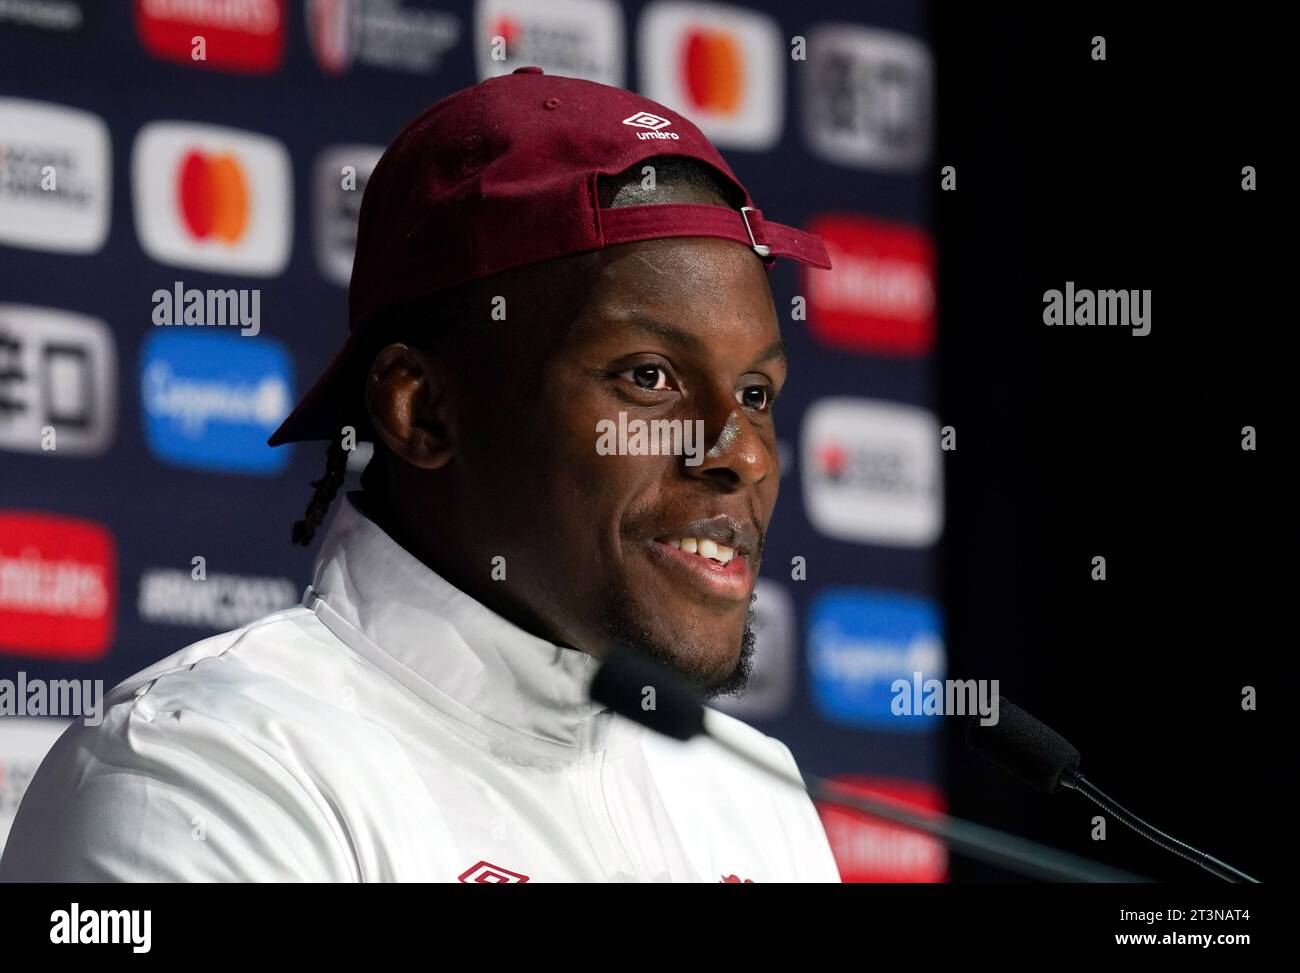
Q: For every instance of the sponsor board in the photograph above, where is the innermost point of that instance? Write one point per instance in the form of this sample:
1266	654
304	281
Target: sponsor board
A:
58	382
55	177
58	586
871	471
721	66
867	97
572	38
246	36
212	198
210	401
860	641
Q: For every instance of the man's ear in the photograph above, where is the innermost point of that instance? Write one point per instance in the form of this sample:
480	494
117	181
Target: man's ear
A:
407	398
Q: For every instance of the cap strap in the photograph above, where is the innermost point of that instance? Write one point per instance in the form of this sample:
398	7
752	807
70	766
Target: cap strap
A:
626	224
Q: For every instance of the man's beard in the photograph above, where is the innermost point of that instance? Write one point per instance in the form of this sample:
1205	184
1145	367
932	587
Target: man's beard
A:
626	630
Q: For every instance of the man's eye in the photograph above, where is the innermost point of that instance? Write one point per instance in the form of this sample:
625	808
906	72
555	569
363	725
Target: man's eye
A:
755	397
650	377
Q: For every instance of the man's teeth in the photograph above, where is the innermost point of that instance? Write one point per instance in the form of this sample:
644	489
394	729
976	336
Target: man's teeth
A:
704	547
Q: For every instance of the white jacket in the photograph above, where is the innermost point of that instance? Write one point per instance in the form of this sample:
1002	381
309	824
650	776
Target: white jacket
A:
391	728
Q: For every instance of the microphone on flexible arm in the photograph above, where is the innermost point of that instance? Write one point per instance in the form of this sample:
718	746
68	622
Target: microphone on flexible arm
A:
1034	753
646	692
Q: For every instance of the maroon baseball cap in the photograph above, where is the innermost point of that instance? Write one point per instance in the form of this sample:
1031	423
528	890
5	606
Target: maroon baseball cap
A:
503	174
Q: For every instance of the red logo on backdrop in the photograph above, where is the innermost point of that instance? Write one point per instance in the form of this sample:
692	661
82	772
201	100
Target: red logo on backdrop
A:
507	28
247	36
870	850
212	192
485	873
58	586
880	294
332	27
714	70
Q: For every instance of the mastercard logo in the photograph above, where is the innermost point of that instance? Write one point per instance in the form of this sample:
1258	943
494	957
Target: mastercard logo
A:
714	70
212	196
723	66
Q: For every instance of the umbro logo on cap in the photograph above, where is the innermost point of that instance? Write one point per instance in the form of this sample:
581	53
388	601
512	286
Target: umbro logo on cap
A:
644	119
411	189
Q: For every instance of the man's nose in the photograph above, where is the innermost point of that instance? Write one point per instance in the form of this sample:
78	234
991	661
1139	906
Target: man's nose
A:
735	451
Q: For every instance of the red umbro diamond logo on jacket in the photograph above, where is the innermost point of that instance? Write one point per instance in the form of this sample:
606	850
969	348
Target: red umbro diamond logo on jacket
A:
485	873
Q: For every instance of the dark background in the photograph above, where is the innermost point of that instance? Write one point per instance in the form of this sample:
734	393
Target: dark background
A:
1076	442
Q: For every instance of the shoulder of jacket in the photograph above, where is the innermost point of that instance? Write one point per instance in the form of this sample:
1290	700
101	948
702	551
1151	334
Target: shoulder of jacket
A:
290	626
285	675
740	733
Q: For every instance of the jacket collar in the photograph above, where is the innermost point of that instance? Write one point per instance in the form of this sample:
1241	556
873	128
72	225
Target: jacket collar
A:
449	649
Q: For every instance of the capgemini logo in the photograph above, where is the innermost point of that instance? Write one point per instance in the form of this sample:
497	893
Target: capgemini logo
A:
211	399
192	404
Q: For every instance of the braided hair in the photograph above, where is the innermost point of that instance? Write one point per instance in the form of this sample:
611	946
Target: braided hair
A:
336	468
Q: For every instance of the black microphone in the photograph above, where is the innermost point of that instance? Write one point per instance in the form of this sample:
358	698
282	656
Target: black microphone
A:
1025	748
1034	753
647	692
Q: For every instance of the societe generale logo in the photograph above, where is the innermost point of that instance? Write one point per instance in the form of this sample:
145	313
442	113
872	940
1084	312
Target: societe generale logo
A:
58	586
212	198
570	38
871	471
245	36
722	66
395	35
870	850
879	296
55	177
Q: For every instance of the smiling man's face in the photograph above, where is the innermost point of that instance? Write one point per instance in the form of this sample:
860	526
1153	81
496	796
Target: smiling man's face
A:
673	330
597	547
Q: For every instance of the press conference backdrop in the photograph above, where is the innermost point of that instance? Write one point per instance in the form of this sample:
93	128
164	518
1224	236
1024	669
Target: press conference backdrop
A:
156	151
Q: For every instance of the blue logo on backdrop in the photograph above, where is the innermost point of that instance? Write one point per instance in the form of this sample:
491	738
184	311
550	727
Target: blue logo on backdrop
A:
859	642
211	400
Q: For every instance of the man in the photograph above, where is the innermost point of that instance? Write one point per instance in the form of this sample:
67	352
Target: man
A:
529	271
